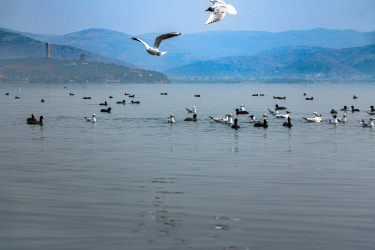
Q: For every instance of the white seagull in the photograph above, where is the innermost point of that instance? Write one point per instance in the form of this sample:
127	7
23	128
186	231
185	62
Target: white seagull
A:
283	116
194	110
93	119
170	119
219	10
369	124
334	121
242	108
343	119
253	120
155	50
276	112
228	119
315	119
220	120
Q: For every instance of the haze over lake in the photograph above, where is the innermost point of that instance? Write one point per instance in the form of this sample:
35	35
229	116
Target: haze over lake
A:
134	181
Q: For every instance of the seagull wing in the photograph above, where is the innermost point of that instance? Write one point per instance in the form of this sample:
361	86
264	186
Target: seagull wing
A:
231	9
217	1
166	36
219	14
139	40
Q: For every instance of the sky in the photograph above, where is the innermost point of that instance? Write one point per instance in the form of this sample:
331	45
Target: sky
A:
136	17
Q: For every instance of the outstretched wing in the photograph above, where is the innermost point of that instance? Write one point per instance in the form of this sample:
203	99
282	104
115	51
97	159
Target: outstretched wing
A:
217	15
166	36
231	9
139	40
217	1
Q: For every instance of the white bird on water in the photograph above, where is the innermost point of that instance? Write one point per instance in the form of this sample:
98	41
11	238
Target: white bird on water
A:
155	49
369	124
343	119
170	119
219	10
93	119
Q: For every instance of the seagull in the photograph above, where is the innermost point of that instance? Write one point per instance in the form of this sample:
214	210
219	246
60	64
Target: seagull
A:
253	120
155	50
170	119
276	112
219	120
219	10
343	119
93	119
369	124
194	110
334	121
228	119
315	119
283	116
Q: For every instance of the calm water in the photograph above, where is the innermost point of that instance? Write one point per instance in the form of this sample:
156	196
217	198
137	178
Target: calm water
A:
133	181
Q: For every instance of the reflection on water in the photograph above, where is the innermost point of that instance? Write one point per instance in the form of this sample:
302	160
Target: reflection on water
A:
133	181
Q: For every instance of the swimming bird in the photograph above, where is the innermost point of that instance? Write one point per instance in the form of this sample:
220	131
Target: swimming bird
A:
32	118
163	93
315	119
370	113
369	124
197	95
253	120
7	93
263	124
278	97
93	119
131	96
345	108
42	100
219	120
40	122
110	97
155	49
283	116
228	119
304	94
17	97
194	110
108	110
194	119
170	119
135	102
255	94
126	94
19	88
235	125
372	108
219	10
288	123
310	99
343	119
276	112
334	121
71	94
238	112
86	98
279	108
242	108
354	110
123	102
333	111
355	97
104	104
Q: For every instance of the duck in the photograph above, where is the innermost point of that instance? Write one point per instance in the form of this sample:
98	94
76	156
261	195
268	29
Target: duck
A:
197	95
355	97
194	110
261	95
288	123
155	49
194	119
304	94
32	118
219	10
71	94
131	96
343	119
228	119
235	125
40	122
110	97
310	99
255	94
369	124
170	119
278	97
93	119
283	116
163	93
334	121
253	120
104	104
372	108
354	110
42	100
345	108
242	107
123	102
126	94
7	93
135	102
238	112
263	124
108	110
333	111
276	112
279	108
219	120
86	98
17	97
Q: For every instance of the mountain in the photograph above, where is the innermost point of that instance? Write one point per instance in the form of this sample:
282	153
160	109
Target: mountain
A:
321	62
192	48
13	45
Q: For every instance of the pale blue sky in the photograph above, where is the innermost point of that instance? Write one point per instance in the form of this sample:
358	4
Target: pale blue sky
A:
186	16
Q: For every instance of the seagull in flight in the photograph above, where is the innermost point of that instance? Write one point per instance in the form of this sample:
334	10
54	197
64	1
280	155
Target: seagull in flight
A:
155	50
219	10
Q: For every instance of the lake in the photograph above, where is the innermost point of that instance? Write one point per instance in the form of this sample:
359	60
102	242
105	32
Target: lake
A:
134	181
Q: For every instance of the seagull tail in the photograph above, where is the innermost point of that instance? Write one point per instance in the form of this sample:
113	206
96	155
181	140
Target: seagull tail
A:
162	53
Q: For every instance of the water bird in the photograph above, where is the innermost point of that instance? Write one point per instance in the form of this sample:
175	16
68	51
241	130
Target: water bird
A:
32	118
283	116
278	97
197	95
370	113
263	124
86	98
253	120
42	100
104	104
372	108
355	97
71	94
279	108
261	95
40	122
218	120
170	119
354	110
276	112
131	96
219	10
345	108
310	99
228	119
369	124
155	49
343	119
93	119
334	121
123	102
194	119
239	112
7	93
135	102
235	125
242	108
163	93
333	111
19	88
108	110
17	97
110	97
126	94
288	123
255	94
315	119
194	110
304	94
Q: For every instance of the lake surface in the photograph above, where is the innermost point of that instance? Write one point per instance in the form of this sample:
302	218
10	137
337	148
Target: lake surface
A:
134	181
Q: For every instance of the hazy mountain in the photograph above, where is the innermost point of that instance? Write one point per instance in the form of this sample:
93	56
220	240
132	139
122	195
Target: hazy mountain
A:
347	62
192	48
13	45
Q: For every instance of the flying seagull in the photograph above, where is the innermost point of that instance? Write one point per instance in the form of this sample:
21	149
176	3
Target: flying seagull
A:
155	50
219	10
